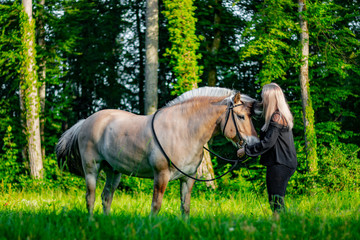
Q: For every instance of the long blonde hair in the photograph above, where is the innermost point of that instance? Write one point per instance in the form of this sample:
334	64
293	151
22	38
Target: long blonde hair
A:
273	99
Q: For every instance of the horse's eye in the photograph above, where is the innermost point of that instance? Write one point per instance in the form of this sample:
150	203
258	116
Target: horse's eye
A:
241	117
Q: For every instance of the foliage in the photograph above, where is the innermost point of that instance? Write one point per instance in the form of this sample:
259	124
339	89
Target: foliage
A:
185	43
225	21
93	58
339	168
272	37
28	66
10	168
10	42
94	53
334	64
338	165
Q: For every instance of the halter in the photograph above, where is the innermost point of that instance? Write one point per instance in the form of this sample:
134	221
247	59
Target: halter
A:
228	110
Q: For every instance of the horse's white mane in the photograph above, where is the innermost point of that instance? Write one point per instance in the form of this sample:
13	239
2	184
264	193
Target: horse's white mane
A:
209	92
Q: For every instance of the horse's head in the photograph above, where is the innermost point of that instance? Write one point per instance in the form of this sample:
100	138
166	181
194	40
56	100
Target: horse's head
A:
236	124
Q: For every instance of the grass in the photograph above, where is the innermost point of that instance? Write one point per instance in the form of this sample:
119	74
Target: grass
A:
54	214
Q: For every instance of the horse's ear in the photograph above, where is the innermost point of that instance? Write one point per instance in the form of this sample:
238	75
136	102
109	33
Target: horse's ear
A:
237	97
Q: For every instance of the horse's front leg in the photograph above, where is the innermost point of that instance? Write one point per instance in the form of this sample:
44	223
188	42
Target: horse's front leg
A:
186	185
161	180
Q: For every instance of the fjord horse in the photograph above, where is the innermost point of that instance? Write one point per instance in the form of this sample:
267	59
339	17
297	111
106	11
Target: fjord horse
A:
121	142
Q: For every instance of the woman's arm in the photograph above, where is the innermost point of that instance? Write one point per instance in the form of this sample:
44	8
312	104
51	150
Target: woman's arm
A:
264	145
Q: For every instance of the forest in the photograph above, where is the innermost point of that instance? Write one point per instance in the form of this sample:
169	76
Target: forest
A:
92	55
61	61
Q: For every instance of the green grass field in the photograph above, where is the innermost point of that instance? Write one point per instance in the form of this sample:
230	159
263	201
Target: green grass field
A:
58	215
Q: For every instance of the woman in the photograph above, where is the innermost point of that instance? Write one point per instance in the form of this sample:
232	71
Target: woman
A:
276	145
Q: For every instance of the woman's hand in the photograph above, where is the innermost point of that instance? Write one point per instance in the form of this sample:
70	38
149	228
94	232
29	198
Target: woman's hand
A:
241	152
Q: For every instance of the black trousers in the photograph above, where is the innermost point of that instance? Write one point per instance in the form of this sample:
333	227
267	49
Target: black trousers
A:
277	178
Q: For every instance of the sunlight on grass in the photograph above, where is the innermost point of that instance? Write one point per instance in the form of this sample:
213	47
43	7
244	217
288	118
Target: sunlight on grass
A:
62	215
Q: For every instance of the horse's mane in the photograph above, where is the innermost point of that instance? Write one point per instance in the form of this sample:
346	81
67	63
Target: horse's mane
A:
209	92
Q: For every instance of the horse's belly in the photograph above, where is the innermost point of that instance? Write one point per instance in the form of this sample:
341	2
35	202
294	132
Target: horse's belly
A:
137	167
141	171
125	149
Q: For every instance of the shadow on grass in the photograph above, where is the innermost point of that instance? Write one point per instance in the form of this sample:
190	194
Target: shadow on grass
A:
75	224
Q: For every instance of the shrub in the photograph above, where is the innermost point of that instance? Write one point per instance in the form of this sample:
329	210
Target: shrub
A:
10	169
338	171
339	167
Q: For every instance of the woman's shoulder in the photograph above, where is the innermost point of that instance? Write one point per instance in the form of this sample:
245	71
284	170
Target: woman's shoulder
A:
278	120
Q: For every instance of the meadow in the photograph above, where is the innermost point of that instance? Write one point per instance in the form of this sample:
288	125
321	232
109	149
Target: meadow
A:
58	214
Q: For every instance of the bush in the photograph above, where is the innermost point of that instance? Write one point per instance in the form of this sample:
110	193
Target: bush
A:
14	175
338	171
338	162
10	169
339	168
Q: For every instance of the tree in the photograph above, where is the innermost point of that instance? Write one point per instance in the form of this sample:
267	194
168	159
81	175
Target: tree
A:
29	98
269	38
151	64
92	52
185	43
308	111
215	45
10	40
141	47
42	73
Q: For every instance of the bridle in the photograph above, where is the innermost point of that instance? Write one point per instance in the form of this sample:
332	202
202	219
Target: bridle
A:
229	110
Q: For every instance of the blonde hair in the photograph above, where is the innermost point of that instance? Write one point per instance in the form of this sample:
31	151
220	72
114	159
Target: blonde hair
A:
273	99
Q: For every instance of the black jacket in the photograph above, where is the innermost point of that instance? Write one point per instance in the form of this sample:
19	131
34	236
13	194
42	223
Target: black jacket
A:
276	146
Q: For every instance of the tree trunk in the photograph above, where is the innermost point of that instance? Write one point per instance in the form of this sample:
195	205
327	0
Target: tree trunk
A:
141	57
214	48
308	111
24	150
151	64
29	91
206	169
42	77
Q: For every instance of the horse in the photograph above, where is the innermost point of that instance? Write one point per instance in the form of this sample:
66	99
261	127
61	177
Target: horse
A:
119	142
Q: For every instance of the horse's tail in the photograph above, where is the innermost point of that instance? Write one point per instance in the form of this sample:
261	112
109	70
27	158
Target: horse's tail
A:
67	150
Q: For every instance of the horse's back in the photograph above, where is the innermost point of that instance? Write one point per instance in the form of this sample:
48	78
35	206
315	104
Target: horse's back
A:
99	121
118	137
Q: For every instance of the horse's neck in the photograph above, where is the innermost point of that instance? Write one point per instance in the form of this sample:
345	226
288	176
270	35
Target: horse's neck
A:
203	120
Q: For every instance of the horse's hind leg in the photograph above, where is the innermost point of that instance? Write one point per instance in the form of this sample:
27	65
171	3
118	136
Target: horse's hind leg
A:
186	185
90	192
161	180
91	165
112	182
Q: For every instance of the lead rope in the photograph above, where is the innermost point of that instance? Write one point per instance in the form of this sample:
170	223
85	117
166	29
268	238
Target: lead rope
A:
187	175
243	161
226	159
